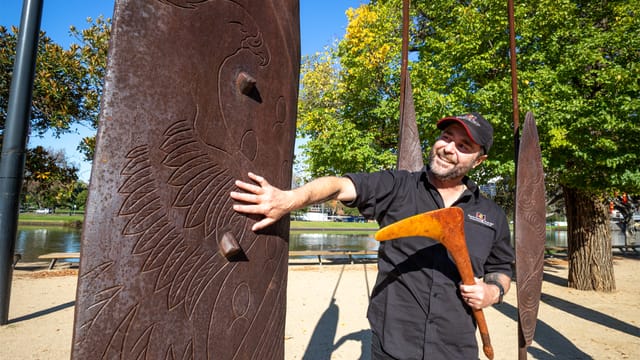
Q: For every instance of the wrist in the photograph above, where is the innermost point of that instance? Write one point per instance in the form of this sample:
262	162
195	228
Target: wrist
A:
498	285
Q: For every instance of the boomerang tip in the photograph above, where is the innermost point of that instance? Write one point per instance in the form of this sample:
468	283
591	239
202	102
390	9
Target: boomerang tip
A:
425	224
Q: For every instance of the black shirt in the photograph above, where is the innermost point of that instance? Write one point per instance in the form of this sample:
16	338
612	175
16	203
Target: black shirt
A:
415	308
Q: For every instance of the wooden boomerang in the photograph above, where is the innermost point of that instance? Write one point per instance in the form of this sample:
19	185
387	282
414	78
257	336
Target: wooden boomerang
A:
447	227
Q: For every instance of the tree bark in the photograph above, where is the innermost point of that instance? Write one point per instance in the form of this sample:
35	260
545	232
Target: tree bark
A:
589	242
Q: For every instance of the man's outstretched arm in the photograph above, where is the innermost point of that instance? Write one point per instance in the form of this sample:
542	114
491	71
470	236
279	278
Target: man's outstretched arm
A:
264	199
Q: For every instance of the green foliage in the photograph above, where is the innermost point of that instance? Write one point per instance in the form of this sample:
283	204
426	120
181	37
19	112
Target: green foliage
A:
92	51
67	91
578	71
57	92
49	181
67	83
348	106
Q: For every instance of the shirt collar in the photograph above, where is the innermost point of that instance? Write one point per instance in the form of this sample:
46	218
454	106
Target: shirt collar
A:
470	184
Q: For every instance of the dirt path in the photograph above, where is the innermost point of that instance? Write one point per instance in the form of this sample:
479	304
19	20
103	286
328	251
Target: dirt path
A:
326	315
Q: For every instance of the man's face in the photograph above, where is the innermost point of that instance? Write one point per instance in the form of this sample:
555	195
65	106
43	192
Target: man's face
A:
454	154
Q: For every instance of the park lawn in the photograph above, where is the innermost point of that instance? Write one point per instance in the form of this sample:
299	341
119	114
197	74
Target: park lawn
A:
51	219
330	225
65	219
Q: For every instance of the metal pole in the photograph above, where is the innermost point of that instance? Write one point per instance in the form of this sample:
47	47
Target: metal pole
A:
514	66
14	143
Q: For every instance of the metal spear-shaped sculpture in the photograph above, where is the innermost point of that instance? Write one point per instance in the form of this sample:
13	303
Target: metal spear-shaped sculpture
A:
530	211
409	149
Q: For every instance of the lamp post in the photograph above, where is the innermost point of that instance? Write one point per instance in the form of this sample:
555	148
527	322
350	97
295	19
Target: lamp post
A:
14	144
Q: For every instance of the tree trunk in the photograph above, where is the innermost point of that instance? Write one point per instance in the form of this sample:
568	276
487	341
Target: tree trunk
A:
589	242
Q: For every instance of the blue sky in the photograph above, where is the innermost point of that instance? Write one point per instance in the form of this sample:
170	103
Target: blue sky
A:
321	22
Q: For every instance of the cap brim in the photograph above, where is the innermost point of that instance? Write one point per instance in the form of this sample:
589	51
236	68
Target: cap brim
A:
442	124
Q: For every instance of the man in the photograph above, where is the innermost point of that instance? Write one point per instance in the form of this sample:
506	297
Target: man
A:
419	309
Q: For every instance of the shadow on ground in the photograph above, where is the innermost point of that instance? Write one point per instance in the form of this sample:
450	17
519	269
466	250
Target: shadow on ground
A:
43	312
322	345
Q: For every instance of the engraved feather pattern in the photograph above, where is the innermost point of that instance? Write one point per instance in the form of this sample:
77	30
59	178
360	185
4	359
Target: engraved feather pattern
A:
154	281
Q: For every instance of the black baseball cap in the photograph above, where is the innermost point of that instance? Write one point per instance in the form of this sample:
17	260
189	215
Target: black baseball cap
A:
478	129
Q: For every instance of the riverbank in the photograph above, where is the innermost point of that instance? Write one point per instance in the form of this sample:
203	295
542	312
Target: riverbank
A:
76	220
328	320
65	220
29	219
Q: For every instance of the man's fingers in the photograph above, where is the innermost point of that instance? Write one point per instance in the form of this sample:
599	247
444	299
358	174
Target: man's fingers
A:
262	224
259	179
247	209
244	197
252	188
255	198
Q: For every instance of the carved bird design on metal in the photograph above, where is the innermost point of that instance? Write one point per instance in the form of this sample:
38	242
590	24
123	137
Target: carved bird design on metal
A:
194	253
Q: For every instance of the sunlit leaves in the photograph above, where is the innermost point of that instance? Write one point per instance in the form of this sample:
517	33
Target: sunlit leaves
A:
49	179
67	83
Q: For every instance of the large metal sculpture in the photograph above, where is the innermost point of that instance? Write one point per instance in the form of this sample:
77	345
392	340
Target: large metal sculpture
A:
409	147
197	94
530	233
530	214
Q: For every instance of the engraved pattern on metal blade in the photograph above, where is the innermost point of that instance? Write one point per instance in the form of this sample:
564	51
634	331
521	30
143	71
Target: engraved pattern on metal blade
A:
530	232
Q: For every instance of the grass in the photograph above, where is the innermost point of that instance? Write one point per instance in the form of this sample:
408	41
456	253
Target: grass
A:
74	220
329	225
51	219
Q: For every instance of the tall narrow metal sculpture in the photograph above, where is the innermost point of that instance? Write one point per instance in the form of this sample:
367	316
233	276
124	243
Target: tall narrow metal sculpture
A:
409	147
529	221
197	94
530	233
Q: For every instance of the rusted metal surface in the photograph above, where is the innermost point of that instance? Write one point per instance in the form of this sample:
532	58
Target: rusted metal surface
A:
197	94
530	230
514	66
530	233
409	147
447	227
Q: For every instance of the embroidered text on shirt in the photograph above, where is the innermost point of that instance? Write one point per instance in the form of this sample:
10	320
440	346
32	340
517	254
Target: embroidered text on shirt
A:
481	218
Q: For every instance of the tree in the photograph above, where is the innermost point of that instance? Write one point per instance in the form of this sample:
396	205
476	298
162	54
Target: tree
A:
49	180
67	83
72	195
93	50
341	118
578	66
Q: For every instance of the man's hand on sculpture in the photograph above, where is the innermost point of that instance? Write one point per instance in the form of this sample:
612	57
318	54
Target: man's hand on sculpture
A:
262	199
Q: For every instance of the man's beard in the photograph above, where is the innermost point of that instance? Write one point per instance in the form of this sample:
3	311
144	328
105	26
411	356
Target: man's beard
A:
457	171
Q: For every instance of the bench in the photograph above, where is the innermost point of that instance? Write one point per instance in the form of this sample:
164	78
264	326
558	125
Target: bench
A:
320	253
54	257
553	250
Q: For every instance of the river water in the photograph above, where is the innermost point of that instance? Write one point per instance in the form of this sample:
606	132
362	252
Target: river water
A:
33	241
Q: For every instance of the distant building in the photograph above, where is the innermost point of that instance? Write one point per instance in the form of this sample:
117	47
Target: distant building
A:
489	189
315	216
